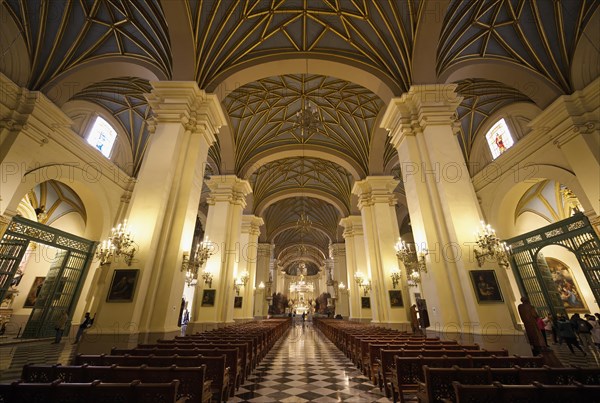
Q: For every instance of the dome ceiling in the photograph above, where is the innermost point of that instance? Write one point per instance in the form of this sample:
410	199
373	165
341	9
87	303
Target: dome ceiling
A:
376	34
63	35
263	113
538	35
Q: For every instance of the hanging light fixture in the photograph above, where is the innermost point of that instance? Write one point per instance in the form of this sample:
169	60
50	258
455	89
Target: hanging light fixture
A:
307	120
491	246
193	264
120	242
413	260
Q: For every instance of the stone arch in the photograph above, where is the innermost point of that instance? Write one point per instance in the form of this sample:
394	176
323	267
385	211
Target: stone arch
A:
260	209
530	83
63	87
91	193
512	190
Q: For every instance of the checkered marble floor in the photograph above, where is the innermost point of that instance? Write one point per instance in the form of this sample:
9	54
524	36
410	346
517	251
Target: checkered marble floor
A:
304	366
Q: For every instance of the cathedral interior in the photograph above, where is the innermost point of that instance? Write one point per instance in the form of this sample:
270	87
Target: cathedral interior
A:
205	164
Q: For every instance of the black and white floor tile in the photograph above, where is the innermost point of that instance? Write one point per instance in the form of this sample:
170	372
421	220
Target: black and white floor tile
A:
306	367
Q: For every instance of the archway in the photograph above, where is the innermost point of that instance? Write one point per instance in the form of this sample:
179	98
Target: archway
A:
532	272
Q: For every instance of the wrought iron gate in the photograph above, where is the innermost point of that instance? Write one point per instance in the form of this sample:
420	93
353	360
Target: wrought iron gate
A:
64	280
533	276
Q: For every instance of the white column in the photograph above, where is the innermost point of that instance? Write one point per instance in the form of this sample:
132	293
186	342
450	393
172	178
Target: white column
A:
340	275
262	276
376	201
163	207
355	261
227	201
249	252
443	208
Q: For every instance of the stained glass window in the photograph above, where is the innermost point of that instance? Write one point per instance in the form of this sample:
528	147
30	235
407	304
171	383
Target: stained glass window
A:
102	136
499	138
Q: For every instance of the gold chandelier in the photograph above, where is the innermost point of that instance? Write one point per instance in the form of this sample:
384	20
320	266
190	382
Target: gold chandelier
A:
120	242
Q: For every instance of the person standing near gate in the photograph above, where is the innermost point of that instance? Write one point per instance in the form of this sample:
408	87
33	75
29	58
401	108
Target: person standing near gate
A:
59	326
529	317
87	322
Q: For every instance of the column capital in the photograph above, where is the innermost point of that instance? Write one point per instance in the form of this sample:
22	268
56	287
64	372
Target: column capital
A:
183	102
375	189
228	188
251	224
422	105
337	249
352	226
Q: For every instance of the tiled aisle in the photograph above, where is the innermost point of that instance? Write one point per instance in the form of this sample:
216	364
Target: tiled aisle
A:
304	366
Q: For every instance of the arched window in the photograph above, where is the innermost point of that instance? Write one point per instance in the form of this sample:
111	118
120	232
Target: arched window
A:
102	136
499	138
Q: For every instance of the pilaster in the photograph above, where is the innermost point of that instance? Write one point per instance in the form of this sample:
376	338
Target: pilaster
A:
356	261
248	262
164	205
376	201
227	201
443	207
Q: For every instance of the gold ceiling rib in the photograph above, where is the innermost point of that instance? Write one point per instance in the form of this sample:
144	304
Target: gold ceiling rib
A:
71	33
540	36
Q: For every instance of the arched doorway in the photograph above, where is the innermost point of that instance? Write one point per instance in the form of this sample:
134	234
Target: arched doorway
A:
61	288
534	275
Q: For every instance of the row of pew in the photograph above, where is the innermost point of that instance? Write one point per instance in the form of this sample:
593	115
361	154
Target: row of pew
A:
437	370
202	367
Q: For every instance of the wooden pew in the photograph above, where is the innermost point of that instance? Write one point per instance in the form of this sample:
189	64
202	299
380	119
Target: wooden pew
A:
408	371
499	393
437	384
92	392
232	361
193	386
216	369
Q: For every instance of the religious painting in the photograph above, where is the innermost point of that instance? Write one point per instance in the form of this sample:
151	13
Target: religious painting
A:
567	287
208	297
122	285
365	302
486	286
237	302
396	299
34	292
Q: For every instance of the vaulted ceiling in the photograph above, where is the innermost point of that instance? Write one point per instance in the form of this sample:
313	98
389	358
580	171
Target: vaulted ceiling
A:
267	60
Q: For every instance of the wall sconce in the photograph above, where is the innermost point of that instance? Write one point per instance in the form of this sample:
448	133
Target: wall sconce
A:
241	281
491	246
118	243
395	275
191	265
362	282
413	260
342	286
261	286
207	276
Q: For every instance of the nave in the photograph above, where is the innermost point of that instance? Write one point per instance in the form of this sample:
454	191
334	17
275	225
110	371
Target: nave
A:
306	367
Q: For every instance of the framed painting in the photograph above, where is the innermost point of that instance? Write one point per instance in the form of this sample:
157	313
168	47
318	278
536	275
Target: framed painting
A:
208	297
396	299
486	286
365	302
237	302
567	287
34	292
122	285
